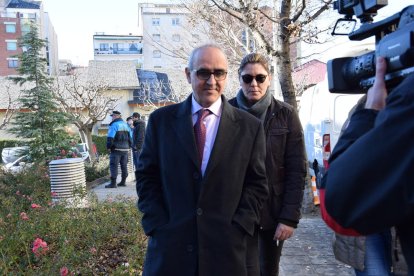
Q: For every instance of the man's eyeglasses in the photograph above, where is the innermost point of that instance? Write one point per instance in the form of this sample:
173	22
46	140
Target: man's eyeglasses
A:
204	74
249	78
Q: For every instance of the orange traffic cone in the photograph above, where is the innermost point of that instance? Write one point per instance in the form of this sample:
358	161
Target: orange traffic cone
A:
315	192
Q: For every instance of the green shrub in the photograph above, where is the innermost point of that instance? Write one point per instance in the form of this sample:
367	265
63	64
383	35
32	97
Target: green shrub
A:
100	142
97	169
38	237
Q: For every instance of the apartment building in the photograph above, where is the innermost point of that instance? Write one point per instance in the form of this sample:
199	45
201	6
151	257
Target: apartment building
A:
168	36
15	19
118	47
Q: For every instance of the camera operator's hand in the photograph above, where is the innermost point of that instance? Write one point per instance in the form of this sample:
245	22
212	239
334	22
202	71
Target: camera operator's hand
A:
378	92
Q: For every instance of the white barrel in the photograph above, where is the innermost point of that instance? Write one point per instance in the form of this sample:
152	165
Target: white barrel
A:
68	181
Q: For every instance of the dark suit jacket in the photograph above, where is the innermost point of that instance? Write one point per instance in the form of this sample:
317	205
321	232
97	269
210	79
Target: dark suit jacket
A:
194	222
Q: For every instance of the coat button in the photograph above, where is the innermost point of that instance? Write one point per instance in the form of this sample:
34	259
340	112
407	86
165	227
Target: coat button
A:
199	211
190	248
196	175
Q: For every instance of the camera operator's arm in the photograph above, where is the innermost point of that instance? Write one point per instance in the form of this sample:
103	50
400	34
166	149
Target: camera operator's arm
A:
369	181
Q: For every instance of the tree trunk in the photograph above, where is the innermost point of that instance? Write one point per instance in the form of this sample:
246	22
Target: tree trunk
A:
91	147
87	134
284	64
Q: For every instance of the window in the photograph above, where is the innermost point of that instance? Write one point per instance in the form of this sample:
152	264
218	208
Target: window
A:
11	45
25	28
156	37
10	28
176	37
155	22
156	54
103	46
13	63
175	21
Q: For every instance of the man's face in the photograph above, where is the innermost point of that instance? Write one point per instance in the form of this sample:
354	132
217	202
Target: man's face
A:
114	116
206	92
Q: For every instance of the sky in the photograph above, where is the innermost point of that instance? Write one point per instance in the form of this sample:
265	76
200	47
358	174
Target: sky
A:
76	21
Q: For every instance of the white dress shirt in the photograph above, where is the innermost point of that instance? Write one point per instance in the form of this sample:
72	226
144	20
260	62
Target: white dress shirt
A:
211	122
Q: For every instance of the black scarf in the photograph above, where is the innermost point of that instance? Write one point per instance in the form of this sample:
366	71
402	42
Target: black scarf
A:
259	108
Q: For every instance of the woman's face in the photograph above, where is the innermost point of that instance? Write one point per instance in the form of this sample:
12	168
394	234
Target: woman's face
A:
254	81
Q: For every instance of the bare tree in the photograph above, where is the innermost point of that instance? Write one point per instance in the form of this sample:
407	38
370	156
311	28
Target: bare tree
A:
271	30
157	93
10	102
85	103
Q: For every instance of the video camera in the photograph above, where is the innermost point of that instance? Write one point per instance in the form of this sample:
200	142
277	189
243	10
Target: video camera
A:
394	40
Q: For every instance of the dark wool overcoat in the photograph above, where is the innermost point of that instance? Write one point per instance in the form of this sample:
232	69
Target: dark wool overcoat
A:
198	225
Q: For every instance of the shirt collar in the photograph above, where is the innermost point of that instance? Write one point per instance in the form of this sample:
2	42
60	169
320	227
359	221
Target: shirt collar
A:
215	108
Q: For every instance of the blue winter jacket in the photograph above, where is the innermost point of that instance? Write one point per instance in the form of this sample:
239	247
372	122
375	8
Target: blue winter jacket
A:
119	136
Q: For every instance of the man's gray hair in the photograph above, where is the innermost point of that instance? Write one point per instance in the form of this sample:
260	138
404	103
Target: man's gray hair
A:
196	50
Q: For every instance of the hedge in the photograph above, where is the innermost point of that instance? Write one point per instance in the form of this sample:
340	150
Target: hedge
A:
100	142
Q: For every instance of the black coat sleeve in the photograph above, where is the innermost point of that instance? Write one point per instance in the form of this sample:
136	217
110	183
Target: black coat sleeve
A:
148	181
369	182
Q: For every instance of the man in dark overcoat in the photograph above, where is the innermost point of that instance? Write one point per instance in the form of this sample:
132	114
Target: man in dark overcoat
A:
199	204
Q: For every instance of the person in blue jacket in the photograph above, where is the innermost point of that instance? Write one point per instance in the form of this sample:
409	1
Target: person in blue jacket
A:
119	141
370	181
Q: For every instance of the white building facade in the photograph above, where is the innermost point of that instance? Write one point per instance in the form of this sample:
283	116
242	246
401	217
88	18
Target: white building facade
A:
119	47
168	36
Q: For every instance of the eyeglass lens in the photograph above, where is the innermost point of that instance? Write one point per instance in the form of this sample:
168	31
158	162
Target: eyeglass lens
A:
205	74
249	78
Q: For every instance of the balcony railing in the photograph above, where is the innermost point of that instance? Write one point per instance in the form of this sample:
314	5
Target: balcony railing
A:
118	52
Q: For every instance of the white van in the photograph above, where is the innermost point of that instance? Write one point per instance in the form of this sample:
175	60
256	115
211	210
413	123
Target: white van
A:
322	115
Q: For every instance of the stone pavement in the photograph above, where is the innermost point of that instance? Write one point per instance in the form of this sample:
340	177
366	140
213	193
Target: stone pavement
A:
129	191
308	252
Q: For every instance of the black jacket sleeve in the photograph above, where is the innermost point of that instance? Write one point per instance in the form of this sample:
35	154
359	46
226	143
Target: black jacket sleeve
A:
369	182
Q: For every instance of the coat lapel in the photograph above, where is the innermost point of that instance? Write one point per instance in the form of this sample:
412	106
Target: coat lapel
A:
183	128
227	132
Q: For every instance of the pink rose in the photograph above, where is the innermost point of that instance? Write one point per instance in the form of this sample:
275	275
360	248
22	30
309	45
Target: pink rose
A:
35	206
24	216
64	271
39	247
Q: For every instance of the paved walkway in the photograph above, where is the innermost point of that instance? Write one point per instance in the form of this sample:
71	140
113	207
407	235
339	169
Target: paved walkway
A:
129	191
308	252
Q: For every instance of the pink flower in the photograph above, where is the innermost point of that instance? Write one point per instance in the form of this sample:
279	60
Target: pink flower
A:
39	247
35	206
63	152
18	193
24	216
92	250
53	193
64	271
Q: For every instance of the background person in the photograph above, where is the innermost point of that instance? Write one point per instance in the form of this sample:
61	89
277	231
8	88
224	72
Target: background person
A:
199	204
368	255
369	182
285	160
130	122
138	135
119	141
